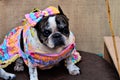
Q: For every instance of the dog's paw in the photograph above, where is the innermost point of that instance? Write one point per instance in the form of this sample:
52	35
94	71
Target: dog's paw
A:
73	70
33	77
19	68
9	76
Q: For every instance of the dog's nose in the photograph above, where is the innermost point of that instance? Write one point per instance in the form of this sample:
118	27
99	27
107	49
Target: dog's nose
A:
56	35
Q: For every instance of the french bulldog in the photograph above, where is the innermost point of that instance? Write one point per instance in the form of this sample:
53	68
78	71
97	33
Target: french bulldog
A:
52	35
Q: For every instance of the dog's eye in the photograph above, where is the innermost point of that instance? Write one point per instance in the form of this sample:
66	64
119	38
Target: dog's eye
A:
64	30
46	33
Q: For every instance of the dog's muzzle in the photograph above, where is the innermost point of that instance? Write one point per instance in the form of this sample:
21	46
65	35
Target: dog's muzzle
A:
58	40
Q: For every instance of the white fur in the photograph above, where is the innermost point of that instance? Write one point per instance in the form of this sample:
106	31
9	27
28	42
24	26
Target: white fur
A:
32	71
52	23
50	43
5	75
72	68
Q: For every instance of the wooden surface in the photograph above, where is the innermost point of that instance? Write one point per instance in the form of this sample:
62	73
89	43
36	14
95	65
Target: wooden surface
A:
88	19
109	46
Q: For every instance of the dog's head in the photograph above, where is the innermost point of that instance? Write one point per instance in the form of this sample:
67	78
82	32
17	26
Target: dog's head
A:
53	30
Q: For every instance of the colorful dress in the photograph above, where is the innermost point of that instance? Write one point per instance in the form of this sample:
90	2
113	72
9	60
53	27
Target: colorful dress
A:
10	49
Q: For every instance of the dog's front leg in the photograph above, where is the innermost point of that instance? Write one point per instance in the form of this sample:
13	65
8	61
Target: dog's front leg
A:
32	71
6	75
72	68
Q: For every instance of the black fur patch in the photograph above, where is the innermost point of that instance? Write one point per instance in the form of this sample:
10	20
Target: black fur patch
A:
21	41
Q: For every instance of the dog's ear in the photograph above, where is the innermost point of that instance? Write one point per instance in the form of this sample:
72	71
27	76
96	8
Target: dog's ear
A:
60	10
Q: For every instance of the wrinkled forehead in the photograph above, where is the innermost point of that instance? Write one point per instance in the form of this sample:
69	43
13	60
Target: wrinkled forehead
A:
58	19
61	18
54	20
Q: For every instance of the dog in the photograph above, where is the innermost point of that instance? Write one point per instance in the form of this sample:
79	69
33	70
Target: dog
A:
51	34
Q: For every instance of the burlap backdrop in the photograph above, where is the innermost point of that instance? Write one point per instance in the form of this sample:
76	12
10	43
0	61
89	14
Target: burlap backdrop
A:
88	19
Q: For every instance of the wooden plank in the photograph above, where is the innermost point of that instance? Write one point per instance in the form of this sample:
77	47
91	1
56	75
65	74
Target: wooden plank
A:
109	44
107	55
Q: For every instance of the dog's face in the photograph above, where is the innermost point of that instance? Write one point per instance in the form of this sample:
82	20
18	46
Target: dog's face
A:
53	31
